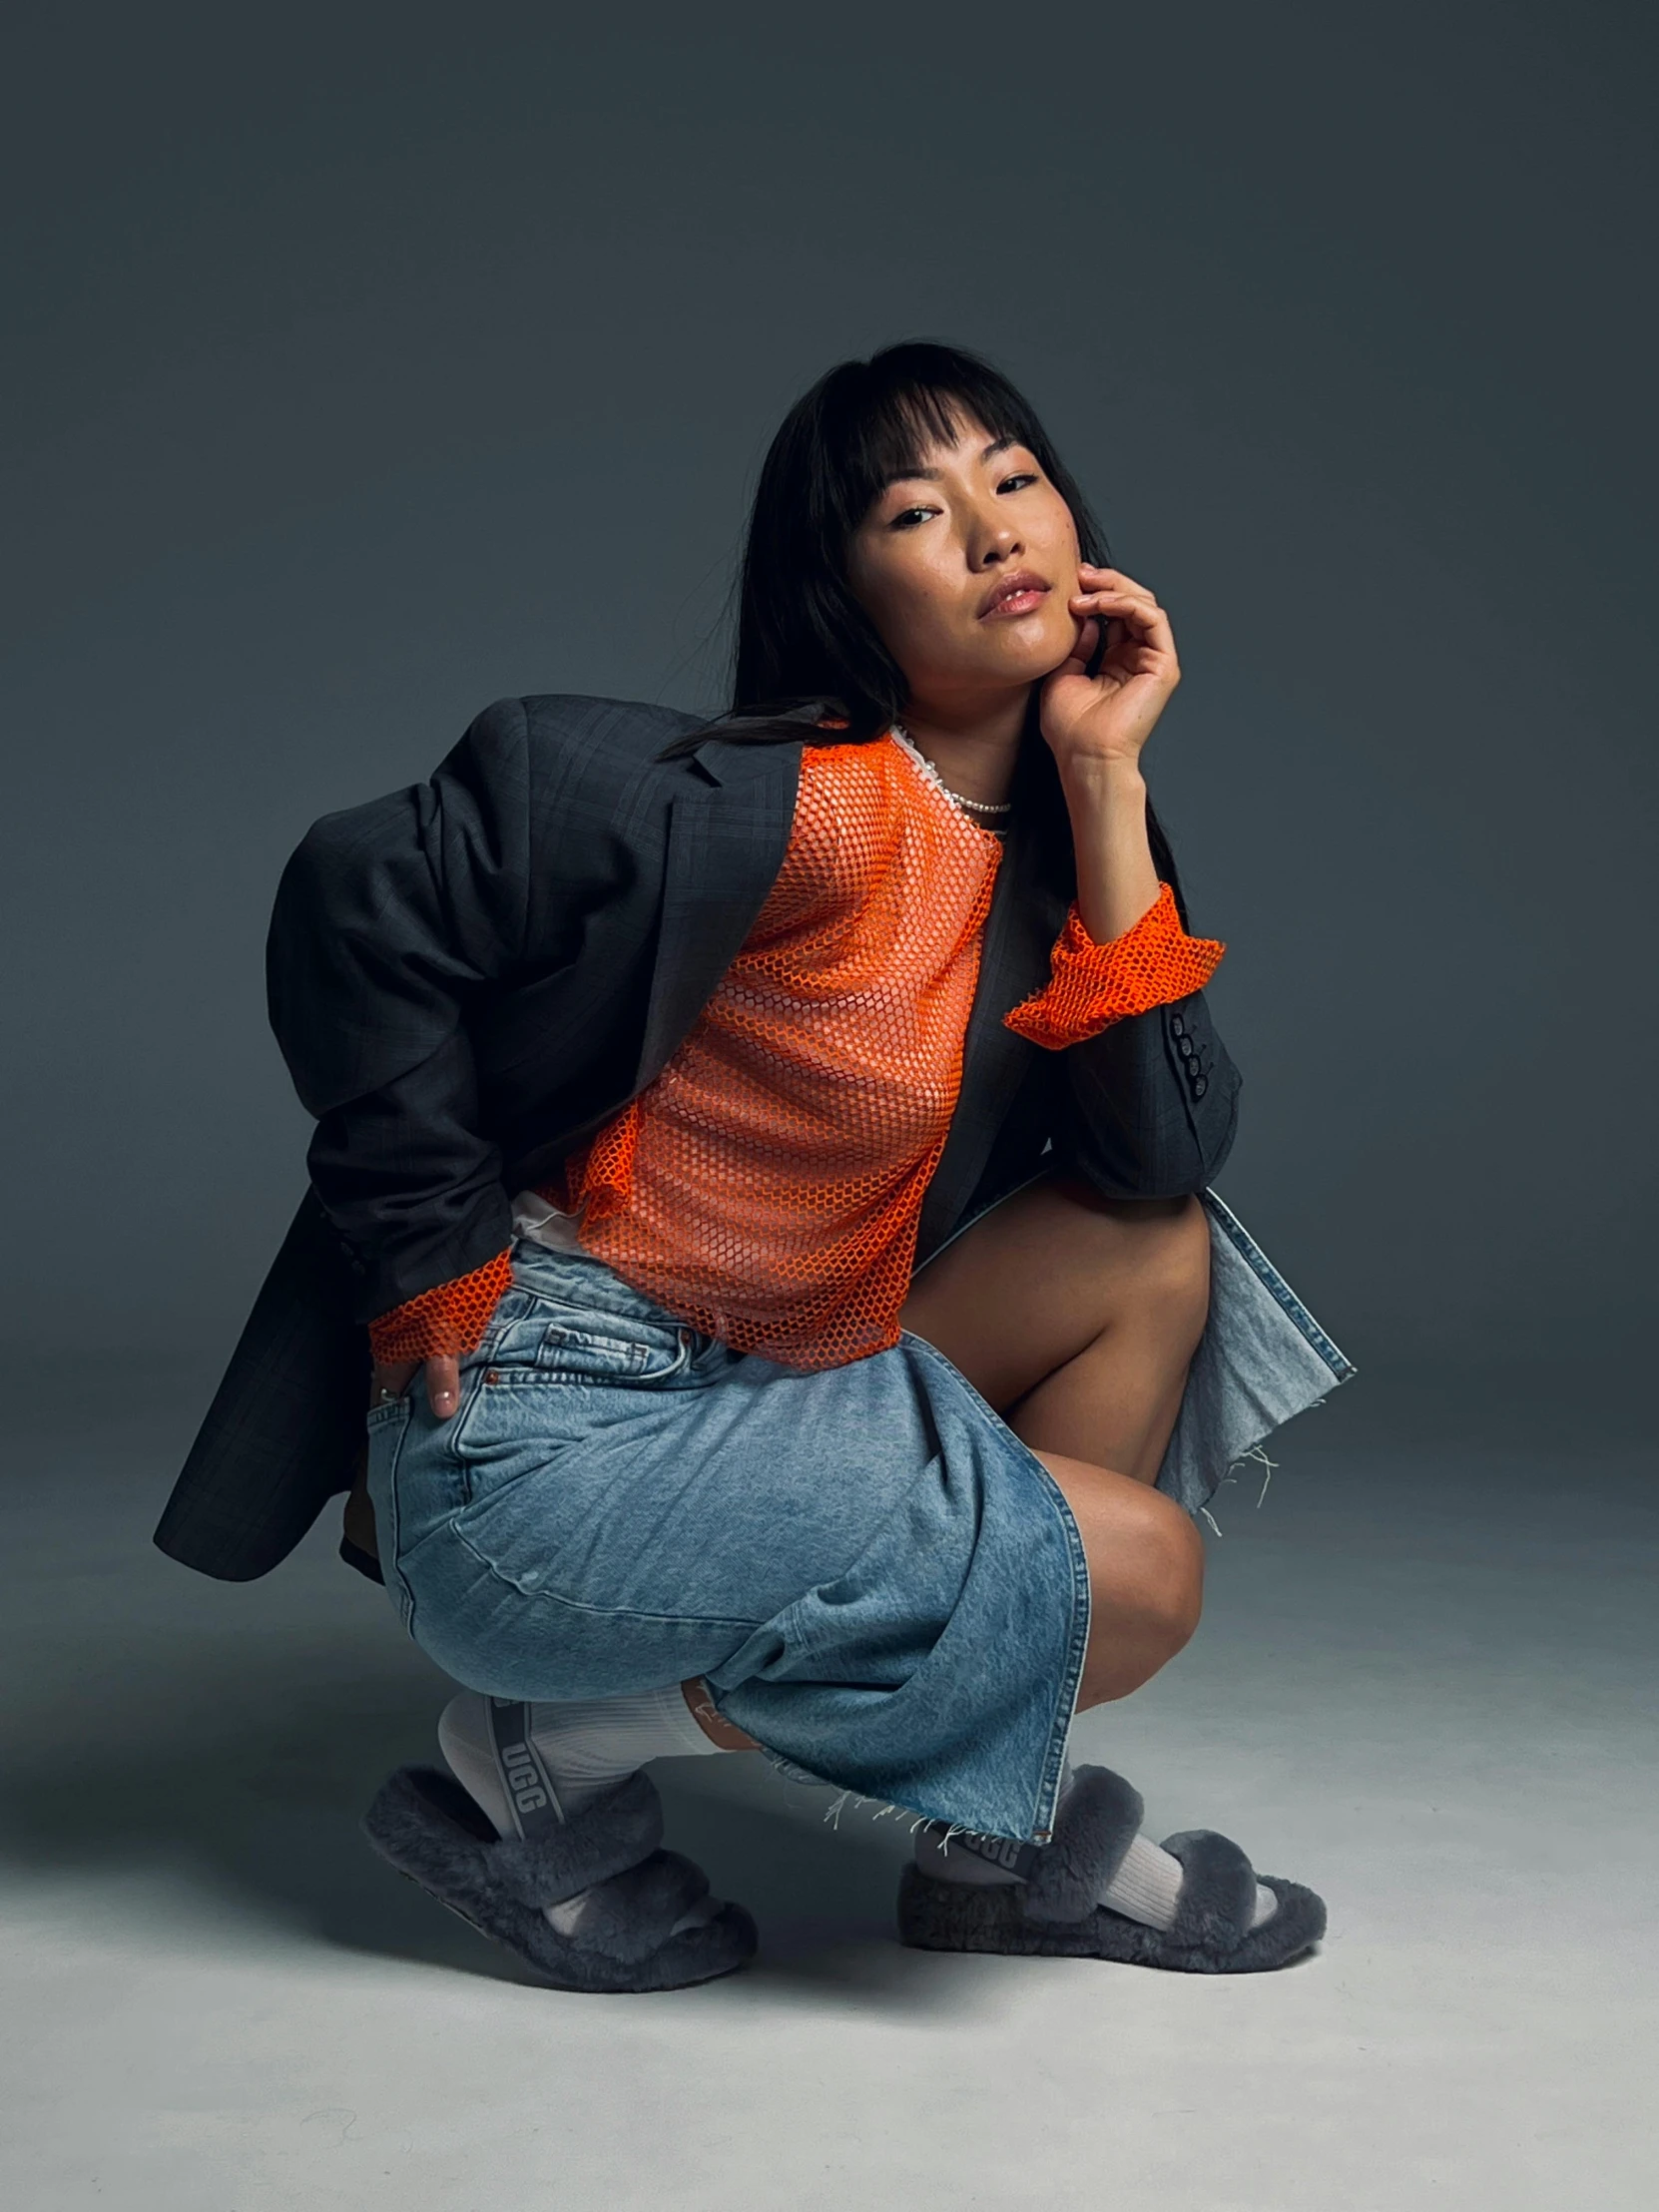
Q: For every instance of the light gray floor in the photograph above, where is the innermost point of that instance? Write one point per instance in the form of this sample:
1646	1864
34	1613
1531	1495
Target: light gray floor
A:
1424	1685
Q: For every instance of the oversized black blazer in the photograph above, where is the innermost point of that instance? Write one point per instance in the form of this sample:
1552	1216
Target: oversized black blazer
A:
469	975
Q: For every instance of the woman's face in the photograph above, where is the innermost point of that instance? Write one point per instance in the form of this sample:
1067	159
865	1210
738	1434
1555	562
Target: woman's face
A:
965	569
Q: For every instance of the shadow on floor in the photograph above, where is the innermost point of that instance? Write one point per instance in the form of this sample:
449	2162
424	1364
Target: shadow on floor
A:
235	1793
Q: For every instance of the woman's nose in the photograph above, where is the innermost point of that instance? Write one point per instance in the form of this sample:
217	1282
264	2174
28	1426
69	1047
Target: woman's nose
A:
997	542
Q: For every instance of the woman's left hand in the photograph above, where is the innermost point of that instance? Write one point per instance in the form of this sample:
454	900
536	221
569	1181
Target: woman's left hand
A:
1109	716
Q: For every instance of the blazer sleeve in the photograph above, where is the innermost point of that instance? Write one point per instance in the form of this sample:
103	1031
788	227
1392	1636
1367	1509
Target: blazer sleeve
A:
1147	1108
390	920
1145	1104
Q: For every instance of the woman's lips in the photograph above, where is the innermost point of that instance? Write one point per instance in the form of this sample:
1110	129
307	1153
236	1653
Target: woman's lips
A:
1016	595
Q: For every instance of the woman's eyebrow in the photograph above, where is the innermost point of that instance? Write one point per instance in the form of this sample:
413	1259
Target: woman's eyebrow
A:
932	475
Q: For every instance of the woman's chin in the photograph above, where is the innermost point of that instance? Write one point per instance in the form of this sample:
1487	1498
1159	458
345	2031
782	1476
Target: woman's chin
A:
1027	659
1040	657
998	665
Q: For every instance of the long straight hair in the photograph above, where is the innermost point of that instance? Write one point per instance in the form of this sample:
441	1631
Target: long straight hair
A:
808	662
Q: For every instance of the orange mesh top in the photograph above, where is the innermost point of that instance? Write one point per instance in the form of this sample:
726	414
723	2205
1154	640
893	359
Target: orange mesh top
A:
767	1184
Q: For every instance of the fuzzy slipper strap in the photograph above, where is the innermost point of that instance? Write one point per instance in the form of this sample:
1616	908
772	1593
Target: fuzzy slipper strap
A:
1218	1892
605	1838
1100	1818
421	1816
427	1826
633	1915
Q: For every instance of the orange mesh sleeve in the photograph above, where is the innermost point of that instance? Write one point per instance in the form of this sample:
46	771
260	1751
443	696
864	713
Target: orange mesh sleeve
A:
600	1176
1093	985
450	1316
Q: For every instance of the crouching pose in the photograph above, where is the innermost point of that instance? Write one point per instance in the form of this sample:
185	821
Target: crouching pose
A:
762	1178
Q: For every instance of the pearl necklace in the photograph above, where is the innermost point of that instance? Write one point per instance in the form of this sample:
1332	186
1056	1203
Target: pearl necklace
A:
958	798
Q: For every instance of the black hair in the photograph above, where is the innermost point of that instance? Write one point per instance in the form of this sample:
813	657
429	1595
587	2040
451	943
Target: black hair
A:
806	653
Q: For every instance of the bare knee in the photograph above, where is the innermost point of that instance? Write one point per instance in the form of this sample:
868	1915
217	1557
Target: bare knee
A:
1146	1584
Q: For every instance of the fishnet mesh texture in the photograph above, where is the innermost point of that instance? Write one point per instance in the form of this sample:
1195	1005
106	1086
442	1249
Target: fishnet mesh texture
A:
450	1316
1093	985
767	1184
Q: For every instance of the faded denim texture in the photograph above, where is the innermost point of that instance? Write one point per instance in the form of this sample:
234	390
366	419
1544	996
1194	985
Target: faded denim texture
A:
879	1581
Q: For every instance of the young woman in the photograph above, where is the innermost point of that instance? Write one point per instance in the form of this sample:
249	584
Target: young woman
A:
773	1156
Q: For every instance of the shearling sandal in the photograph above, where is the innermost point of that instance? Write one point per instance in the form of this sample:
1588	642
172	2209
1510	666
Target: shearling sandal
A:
625	1935
1053	1912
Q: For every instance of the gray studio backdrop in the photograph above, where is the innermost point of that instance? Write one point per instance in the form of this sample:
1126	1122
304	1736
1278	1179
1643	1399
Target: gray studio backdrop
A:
369	364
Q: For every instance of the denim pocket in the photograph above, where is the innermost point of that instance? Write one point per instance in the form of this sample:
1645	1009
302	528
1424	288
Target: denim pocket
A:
542	1339
554	1380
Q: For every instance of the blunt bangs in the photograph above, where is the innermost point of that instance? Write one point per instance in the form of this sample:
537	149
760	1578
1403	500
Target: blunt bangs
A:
878	418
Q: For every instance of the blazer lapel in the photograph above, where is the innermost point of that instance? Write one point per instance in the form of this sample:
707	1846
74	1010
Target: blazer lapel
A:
726	845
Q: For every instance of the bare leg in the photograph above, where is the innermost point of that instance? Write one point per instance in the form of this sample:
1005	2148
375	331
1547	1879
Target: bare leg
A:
1076	1317
1120	1394
1146	1577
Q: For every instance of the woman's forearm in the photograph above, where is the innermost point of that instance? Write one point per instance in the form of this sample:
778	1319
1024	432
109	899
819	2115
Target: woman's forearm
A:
1117	880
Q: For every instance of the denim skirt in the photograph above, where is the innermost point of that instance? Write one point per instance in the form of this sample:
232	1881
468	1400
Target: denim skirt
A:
880	1582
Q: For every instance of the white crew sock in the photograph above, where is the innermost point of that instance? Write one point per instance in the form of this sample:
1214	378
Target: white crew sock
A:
1144	1888
587	1745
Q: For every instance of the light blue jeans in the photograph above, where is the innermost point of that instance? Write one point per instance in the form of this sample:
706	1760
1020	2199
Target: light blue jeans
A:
878	1579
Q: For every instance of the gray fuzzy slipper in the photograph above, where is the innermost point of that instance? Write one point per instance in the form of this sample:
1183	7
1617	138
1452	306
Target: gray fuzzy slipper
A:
1052	1913
625	1935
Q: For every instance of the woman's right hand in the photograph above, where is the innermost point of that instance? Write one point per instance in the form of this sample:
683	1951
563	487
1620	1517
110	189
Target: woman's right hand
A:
443	1381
